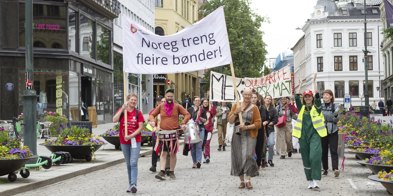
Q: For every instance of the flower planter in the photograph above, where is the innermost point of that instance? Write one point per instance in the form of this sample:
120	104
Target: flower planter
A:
387	184
114	140
364	155
10	166
376	168
77	152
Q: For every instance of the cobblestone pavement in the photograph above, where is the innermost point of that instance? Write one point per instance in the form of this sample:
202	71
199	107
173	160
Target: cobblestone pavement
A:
286	178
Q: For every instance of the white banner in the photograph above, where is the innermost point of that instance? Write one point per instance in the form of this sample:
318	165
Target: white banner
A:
200	46
276	84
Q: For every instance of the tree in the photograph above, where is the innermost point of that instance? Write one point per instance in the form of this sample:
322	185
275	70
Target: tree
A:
245	37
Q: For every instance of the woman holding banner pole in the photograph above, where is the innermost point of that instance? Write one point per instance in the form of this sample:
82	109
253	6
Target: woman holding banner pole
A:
130	140
244	139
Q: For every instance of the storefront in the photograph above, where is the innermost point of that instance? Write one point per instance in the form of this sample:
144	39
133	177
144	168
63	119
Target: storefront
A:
72	58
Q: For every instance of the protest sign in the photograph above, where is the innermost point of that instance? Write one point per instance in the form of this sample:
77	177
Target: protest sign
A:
200	46
277	84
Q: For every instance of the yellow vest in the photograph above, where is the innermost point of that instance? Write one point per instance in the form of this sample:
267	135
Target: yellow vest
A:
318	122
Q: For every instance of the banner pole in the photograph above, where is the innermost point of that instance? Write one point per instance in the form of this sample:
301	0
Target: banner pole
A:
125	90
235	91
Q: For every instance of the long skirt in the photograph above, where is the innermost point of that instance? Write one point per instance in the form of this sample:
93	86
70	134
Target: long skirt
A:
242	155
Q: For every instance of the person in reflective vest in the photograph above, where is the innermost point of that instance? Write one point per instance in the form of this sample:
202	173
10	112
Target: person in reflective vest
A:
310	128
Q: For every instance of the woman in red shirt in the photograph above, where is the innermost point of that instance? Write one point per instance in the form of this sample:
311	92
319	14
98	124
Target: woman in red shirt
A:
130	143
210	110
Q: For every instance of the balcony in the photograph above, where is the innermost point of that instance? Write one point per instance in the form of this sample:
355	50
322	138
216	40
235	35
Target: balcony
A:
110	8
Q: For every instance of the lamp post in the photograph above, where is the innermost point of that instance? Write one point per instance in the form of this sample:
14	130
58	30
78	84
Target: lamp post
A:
29	97
365	93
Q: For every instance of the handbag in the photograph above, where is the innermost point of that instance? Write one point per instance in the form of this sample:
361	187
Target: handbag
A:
229	134
282	120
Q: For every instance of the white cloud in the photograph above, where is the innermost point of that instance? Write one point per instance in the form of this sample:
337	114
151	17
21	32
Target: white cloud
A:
284	16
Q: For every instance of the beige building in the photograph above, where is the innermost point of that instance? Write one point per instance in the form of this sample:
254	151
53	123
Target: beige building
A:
171	17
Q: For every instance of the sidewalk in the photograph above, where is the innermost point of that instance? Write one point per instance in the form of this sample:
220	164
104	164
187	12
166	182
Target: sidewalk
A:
105	157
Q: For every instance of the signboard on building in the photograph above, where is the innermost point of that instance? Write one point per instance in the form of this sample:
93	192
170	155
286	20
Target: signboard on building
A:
59	94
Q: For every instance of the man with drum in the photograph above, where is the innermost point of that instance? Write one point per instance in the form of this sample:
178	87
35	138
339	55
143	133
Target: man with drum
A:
168	134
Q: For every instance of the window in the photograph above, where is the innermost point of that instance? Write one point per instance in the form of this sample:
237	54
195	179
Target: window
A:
319	40
85	45
369	39
159	3
337	39
369	88
370	62
339	89
320	64
86	32
353	63
353	39
321	86
338	63
72	33
354	88
103	44
49	25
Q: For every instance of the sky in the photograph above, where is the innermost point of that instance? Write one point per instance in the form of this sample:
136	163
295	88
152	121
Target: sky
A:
284	16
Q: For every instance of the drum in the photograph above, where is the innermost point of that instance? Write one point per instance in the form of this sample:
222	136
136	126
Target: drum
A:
192	133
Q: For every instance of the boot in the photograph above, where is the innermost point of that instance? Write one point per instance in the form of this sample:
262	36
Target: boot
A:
219	147
223	148
161	175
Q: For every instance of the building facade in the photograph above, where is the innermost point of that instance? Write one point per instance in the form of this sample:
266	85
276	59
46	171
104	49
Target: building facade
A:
143	13
387	52
72	49
333	51
171	17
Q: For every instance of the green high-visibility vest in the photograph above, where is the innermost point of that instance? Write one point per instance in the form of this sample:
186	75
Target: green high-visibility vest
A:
318	122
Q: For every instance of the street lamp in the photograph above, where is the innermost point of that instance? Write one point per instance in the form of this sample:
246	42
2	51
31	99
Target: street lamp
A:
365	51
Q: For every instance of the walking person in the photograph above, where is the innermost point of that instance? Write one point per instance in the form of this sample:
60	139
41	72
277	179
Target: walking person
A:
154	156
310	128
271	120
260	146
196	149
222	113
130	143
244	139
285	110
168	134
331	114
209	126
389	104
381	106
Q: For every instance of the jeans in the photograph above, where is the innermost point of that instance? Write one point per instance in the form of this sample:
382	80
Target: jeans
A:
131	155
196	149
270	145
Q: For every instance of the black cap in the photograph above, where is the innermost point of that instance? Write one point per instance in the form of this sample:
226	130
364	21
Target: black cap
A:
169	90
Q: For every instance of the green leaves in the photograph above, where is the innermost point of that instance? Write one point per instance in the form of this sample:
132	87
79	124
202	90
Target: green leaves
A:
245	37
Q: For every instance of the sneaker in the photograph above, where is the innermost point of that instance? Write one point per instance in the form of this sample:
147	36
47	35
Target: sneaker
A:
316	186
198	165
194	166
282	157
310	184
172	175
271	163
207	161
129	189
336	173
161	175
133	189
153	169
289	154
325	172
